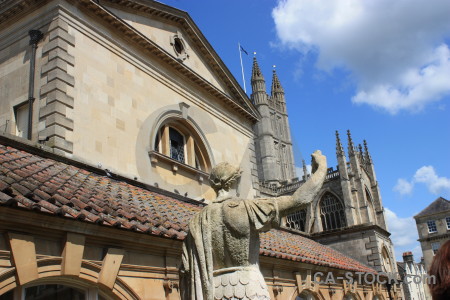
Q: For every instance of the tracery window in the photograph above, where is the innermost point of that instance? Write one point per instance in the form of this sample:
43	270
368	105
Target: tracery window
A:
386	261
283	162
297	220
370	207
332	212
273	122
280	127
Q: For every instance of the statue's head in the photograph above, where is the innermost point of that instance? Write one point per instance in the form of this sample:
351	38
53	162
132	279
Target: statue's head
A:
223	175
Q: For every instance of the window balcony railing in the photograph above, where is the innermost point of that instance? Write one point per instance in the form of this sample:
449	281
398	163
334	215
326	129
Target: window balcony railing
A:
176	166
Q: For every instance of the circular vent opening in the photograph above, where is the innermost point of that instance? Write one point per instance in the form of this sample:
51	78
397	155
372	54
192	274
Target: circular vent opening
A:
179	47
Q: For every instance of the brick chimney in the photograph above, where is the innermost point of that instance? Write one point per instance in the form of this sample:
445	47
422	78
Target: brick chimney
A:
408	257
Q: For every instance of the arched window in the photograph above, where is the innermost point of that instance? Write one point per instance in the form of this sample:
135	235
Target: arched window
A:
54	292
297	220
176	139
349	297
176	144
332	212
386	261
305	296
370	208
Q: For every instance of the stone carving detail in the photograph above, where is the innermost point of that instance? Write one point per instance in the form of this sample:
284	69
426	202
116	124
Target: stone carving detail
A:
221	251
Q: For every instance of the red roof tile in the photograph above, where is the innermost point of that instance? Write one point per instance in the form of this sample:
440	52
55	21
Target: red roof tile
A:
33	182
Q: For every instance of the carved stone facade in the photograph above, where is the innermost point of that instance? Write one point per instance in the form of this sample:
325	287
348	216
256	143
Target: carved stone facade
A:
274	153
348	213
91	200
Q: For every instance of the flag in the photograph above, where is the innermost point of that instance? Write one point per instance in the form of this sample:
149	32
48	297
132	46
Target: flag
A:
243	50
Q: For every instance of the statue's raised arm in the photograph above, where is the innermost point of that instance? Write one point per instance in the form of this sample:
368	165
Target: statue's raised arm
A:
307	191
223	239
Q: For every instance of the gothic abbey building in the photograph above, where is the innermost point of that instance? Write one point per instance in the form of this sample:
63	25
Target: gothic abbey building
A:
348	214
112	114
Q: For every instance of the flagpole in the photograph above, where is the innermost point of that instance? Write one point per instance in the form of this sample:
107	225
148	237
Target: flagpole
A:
242	66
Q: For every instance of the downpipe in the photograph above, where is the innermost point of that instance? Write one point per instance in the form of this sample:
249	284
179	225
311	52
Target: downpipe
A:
35	37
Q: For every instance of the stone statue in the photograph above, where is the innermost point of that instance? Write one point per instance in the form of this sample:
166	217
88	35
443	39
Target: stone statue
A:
220	257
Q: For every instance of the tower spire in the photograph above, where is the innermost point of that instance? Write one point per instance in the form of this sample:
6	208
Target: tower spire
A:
339	148
305	170
276	85
256	71
361	153
277	93
367	155
259	94
351	146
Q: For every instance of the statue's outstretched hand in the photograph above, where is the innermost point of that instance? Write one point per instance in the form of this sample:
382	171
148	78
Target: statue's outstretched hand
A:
318	161
306	192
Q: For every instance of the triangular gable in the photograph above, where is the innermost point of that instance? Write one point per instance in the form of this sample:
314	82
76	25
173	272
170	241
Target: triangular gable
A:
438	205
156	23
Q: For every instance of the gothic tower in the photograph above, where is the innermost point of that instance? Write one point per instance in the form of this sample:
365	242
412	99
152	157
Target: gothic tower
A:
273	142
349	213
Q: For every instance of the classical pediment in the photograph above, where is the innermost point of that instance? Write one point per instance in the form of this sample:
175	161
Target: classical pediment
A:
166	32
172	35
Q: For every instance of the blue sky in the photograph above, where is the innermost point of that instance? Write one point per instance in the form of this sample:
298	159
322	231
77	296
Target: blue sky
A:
379	68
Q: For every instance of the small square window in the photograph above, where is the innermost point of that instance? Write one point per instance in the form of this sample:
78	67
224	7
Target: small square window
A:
435	247
448	222
431	226
21	115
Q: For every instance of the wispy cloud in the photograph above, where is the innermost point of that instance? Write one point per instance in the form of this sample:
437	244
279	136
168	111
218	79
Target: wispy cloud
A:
395	50
404	234
435	184
403	187
427	175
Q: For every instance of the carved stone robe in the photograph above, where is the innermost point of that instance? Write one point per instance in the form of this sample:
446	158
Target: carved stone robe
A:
221	252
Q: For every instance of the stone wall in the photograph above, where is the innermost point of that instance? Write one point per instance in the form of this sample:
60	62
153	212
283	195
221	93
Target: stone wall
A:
100	97
37	249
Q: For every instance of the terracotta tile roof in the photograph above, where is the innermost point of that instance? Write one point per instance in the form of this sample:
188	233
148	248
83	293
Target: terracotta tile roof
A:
42	184
286	245
32	182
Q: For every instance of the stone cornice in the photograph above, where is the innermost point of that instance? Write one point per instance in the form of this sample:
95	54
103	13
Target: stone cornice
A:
433	216
173	15
30	222
352	229
239	102
438	236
